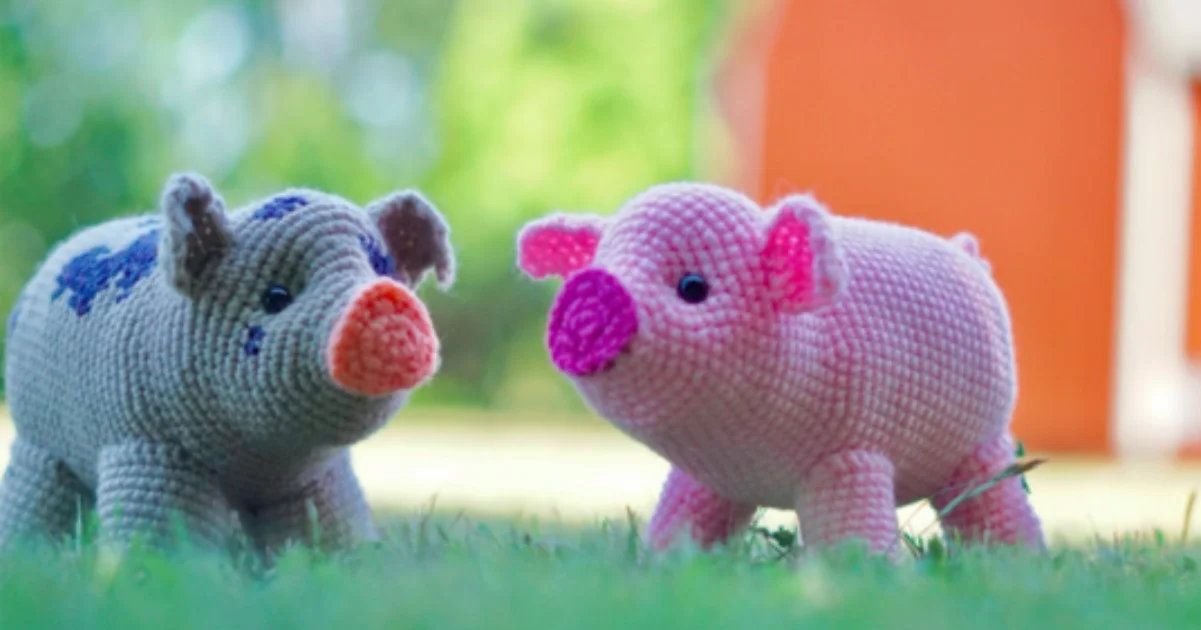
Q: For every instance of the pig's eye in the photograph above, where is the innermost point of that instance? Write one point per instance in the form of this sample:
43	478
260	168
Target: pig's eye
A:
692	288
276	299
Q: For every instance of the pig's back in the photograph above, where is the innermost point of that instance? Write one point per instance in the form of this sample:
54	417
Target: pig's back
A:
922	342
80	324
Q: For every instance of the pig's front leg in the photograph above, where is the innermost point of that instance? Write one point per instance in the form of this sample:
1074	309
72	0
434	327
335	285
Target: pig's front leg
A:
850	495
330	512
686	504
147	489
39	496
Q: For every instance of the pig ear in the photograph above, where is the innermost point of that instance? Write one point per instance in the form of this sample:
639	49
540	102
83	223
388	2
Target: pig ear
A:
417	237
558	244
196	234
802	259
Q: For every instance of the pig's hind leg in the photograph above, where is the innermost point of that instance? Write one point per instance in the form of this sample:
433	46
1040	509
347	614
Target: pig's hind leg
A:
1001	514
39	496
330	512
687	505
160	494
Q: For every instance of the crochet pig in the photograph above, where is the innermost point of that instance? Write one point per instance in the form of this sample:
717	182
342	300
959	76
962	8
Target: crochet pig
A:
209	370
789	358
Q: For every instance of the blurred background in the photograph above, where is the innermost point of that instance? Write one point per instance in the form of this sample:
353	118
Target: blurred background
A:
497	110
1063	133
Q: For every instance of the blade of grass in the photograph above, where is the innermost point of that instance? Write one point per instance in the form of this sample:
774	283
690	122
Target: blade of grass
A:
1188	516
1013	470
1018	468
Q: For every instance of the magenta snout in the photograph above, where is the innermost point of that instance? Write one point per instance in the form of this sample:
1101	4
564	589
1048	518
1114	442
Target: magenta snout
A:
592	322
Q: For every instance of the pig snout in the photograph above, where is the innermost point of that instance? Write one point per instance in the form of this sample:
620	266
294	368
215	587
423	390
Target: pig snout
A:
593	320
383	342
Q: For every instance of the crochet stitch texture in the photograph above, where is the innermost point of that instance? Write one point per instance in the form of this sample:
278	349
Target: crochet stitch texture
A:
210	369
832	365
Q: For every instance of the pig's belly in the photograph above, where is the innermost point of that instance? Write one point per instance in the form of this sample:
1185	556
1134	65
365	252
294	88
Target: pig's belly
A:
759	450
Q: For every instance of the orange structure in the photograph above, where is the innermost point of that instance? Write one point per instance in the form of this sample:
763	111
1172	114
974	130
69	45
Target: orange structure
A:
1011	120
1193	343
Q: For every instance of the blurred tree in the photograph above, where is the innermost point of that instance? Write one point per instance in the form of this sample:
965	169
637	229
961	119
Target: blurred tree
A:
499	110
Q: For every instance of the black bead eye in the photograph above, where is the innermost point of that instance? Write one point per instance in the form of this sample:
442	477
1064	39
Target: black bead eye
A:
692	289
276	299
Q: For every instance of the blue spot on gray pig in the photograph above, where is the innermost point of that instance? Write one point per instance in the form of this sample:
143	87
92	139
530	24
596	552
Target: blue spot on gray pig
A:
382	263
91	272
254	340
279	206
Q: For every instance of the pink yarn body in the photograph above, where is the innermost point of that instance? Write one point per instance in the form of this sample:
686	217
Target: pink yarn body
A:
836	366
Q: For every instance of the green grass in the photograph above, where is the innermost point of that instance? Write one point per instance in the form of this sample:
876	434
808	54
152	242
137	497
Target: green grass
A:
447	572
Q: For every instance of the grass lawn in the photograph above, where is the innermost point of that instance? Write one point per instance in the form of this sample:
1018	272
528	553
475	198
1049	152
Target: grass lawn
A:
446	572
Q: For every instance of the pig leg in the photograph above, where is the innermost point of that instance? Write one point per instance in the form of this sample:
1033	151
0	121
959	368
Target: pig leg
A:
686	504
330	512
850	495
149	490
1002	514
39	496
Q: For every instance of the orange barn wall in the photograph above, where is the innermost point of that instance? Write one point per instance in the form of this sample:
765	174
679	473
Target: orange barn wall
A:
1192	342
1193	334
1000	118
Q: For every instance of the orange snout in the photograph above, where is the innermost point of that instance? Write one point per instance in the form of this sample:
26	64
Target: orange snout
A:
384	342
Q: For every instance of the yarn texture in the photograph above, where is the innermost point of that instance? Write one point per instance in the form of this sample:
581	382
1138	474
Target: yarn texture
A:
789	358
209	369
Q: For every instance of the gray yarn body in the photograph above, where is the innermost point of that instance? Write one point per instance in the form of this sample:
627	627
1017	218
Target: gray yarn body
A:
145	369
159	403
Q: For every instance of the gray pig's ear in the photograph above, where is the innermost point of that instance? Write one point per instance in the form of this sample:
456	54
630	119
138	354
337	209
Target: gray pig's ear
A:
196	234
417	237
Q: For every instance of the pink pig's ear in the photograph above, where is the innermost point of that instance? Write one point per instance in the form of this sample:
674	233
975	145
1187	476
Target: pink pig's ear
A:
802	259
558	244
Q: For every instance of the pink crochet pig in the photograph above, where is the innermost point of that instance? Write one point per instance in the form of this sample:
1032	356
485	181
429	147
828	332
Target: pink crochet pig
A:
789	358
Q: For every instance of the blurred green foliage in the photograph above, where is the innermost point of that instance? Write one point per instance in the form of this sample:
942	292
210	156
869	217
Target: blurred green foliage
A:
499	110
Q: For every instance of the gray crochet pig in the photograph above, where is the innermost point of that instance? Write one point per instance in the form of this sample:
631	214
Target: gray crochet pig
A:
209	369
